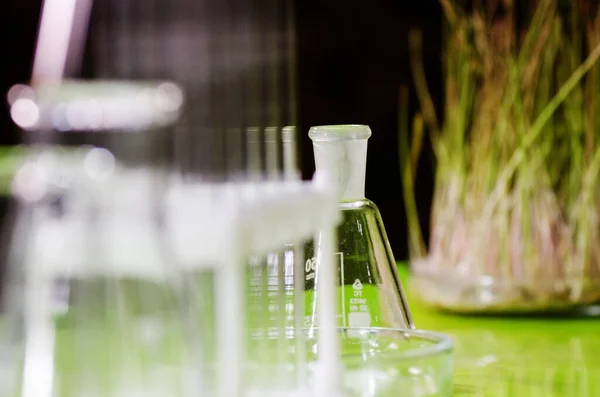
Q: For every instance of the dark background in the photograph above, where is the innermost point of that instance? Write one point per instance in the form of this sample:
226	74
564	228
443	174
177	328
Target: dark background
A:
352	56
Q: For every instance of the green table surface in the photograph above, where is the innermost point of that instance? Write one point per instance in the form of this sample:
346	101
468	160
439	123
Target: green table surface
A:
517	356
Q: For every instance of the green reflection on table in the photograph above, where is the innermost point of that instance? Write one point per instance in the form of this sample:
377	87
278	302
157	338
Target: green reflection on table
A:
518	356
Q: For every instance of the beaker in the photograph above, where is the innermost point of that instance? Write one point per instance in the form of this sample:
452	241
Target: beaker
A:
105	312
370	290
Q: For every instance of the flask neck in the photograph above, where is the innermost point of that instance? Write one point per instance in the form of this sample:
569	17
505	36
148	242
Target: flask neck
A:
344	162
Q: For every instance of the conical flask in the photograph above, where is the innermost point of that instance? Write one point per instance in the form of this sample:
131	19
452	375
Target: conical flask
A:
370	290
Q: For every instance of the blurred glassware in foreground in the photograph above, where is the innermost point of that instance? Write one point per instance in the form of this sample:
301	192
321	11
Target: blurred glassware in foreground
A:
80	105
103	303
370	290
12	333
134	280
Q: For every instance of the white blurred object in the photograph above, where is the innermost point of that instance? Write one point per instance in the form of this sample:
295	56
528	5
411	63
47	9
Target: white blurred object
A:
105	236
73	105
62	32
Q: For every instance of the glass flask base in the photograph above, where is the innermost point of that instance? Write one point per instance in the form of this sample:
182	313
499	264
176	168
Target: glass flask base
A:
376	362
484	294
384	362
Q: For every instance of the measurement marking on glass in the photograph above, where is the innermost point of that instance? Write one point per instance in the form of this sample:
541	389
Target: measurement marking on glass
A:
309	268
343	285
359	314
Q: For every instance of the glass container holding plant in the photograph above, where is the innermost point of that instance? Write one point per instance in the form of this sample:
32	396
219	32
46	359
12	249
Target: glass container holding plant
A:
515	220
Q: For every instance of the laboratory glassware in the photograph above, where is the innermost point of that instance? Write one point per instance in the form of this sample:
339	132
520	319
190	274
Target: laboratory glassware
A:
370	291
103	302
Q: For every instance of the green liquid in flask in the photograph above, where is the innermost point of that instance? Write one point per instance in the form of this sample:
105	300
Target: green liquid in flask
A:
369	292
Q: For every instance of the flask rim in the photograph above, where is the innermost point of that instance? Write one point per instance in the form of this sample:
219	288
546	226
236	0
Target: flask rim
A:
339	132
